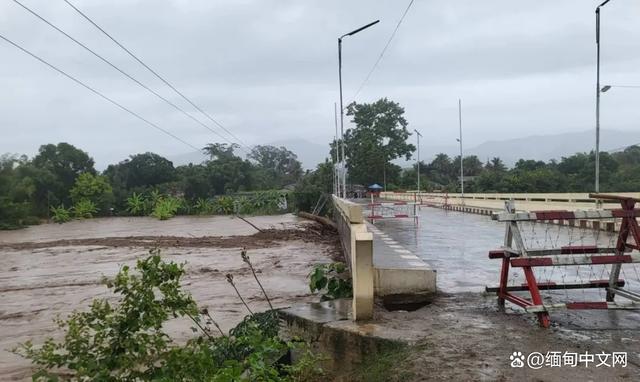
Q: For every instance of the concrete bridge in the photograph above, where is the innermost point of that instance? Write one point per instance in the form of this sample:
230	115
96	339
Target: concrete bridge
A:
490	203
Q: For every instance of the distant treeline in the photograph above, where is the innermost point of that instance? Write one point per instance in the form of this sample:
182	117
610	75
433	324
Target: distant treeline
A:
61	182
619	172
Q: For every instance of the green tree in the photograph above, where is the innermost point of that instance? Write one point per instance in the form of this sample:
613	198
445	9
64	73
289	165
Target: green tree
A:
66	163
140	173
312	186
379	137
194	181
441	171
496	165
14	194
93	188
226	172
277	166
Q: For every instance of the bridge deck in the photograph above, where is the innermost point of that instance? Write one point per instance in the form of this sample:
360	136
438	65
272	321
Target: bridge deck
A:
398	270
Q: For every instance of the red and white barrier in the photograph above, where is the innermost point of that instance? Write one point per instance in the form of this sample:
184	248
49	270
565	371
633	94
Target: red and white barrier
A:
515	254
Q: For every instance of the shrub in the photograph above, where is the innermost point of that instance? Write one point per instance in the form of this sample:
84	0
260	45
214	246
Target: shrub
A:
136	204
224	205
166	208
60	214
203	207
333	280
84	209
13	215
125	341
94	188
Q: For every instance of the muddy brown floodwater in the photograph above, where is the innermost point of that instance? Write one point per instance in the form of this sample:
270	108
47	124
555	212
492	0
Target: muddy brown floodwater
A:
51	270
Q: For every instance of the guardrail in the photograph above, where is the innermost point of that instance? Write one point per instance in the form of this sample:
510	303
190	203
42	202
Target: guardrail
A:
488	203
357	243
528	197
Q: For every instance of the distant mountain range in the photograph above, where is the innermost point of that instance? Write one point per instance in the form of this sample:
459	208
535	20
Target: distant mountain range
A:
546	147
538	147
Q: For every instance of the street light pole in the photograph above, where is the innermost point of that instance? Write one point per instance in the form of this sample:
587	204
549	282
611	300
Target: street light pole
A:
343	161
336	174
418	135
597	185
461	158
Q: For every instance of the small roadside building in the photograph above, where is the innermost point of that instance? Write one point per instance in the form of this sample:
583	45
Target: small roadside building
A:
374	190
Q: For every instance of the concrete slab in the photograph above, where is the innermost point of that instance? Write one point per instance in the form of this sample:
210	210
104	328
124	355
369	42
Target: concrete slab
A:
397	270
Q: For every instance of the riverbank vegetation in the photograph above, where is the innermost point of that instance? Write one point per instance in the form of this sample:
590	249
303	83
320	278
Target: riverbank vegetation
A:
127	339
61	183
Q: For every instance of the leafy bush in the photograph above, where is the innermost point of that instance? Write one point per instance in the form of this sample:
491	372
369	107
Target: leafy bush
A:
84	209
125	341
166	208
93	188
224	205
13	215
136	204
333	280
60	214
203	206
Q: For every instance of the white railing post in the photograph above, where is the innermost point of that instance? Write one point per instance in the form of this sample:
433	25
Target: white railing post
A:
358	249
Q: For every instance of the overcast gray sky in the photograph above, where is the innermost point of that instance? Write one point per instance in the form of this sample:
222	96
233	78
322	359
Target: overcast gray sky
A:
267	70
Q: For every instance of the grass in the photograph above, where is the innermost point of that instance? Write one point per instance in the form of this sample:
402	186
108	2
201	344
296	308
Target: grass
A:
386	365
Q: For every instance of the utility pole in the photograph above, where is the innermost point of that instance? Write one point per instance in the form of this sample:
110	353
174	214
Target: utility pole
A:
461	157
336	174
418	164
343	161
597	185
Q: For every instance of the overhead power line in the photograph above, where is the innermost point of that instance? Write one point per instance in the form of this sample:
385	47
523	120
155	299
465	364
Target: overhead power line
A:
156	74
384	50
96	92
106	61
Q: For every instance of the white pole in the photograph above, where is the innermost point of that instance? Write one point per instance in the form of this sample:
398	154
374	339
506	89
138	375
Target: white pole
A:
418	165
336	174
461	158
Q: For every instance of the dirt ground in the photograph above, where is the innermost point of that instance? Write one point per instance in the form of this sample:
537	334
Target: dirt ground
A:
51	270
465	337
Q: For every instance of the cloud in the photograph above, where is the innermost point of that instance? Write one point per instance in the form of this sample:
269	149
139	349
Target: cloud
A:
267	70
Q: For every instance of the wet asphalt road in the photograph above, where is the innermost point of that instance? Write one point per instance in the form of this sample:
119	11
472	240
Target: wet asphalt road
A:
457	245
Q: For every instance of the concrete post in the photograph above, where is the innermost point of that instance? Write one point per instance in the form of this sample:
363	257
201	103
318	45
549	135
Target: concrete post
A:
362	274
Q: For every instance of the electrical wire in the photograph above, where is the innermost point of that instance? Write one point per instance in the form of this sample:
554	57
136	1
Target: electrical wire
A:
156	74
106	61
96	92
375	65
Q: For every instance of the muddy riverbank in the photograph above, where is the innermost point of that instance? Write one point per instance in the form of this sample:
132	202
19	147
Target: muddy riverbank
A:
51	270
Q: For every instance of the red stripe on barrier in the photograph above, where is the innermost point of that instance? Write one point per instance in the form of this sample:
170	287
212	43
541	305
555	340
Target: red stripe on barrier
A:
517	300
402	216
532	262
587	305
554	215
611	259
578	249
626	214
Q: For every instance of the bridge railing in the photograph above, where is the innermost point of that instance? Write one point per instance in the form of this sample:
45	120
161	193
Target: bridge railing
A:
577	199
357	244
